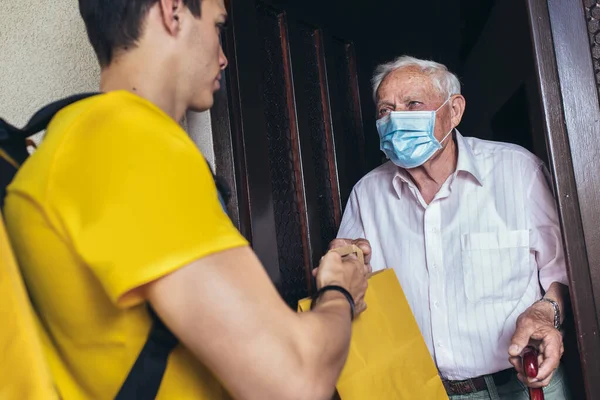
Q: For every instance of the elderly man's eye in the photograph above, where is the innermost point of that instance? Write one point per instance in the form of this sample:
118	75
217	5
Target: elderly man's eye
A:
384	111
412	104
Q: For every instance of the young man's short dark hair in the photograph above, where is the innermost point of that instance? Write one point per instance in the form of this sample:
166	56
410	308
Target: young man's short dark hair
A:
117	24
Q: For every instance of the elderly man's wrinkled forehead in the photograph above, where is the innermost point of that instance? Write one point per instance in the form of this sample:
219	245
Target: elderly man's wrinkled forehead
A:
407	82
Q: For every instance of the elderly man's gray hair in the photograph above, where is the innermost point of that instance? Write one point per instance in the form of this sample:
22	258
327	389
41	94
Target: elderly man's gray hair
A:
445	81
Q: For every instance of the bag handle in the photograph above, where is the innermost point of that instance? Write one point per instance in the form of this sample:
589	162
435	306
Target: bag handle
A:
351	249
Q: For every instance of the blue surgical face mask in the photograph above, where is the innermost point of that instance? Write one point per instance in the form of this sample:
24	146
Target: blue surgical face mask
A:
407	137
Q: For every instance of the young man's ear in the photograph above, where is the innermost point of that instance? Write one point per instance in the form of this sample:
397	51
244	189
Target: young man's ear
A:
171	11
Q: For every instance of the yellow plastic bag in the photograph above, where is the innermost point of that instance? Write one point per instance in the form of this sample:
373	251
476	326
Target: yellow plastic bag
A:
24	372
388	358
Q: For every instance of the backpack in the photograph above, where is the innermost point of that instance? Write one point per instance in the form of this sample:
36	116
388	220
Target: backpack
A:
144	378
24	373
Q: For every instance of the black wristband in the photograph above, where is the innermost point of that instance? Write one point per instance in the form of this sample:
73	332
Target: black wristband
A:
340	289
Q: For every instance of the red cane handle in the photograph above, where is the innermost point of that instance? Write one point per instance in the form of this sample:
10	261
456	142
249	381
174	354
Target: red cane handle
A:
530	367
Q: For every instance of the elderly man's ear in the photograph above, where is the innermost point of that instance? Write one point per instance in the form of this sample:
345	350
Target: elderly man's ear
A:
457	104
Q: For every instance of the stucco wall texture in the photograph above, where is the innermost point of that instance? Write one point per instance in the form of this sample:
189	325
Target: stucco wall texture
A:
45	55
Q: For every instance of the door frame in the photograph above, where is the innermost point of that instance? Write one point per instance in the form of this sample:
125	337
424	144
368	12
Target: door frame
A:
571	111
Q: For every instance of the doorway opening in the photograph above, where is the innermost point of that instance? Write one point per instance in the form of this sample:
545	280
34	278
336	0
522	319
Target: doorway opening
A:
307	70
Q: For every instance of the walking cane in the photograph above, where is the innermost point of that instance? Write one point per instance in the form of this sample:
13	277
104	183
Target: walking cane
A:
530	366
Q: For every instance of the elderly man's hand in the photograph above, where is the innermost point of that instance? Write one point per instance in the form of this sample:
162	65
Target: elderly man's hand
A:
536	326
362	244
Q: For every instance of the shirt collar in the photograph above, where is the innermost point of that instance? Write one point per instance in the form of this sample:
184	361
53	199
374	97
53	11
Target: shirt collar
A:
466	162
466	159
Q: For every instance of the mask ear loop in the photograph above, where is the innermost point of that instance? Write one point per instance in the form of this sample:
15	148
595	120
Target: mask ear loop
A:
451	130
443	104
445	137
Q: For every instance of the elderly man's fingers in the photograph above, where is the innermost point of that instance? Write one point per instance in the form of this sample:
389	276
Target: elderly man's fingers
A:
336	243
365	246
534	385
359	308
521	338
546	381
549	355
562	349
517	362
539	384
523	379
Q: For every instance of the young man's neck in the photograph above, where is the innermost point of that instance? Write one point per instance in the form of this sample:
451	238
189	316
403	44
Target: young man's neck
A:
146	79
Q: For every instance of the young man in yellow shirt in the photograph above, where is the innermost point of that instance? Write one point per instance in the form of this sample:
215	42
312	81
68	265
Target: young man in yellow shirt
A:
117	209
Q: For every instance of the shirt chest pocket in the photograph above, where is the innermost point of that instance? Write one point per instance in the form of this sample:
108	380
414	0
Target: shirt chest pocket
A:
496	265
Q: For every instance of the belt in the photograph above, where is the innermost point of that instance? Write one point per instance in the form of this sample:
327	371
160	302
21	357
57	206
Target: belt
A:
477	384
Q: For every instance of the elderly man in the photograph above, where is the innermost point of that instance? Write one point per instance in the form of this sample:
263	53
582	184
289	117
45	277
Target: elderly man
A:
470	227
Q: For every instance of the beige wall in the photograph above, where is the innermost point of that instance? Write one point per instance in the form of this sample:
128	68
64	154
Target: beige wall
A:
45	55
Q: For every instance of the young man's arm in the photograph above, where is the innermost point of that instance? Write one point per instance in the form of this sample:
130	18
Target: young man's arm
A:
225	309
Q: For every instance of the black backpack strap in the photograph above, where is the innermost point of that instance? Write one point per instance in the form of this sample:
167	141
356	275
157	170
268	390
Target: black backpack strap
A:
13	144
40	119
145	377
222	189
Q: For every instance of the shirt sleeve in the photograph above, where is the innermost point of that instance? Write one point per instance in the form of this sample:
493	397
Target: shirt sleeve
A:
138	207
352	226
546	235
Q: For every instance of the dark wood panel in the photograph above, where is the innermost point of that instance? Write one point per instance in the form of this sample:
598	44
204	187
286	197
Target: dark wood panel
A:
249	141
592	15
536	118
316	135
284	155
582	119
565	78
230	158
356	135
225	162
276	143
347	123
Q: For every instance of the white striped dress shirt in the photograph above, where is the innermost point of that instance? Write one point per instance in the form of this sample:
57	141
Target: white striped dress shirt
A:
472	260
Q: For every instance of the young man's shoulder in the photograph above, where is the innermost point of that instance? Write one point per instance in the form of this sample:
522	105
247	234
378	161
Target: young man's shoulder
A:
111	127
96	139
110	113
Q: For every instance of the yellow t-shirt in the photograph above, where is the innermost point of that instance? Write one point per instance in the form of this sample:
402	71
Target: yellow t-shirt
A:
116	196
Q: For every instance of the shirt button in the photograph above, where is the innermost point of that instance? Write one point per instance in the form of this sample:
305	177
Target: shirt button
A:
436	304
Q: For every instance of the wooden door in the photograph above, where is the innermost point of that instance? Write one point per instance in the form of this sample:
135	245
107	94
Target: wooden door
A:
288	138
566	47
